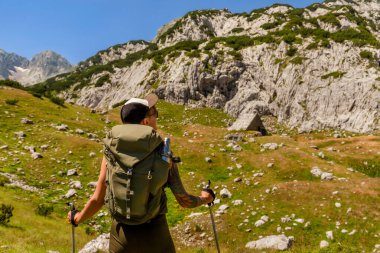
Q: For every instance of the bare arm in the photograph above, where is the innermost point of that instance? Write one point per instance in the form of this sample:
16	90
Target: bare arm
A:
97	199
183	198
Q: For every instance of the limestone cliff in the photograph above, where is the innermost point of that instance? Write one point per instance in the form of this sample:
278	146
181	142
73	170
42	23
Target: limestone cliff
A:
312	68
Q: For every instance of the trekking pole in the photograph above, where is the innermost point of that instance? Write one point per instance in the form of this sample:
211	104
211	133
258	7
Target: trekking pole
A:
207	189
72	221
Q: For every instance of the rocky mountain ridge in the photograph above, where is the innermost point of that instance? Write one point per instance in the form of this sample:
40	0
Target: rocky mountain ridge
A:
8	61
41	67
312	68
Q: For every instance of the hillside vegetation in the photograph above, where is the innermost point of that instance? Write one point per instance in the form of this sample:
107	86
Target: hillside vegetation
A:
312	68
277	183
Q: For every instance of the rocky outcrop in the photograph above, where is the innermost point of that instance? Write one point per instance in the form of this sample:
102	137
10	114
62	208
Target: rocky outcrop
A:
9	61
312	68
114	53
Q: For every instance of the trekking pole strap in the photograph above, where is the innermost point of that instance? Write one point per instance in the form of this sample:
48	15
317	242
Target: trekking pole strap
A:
211	192
73	213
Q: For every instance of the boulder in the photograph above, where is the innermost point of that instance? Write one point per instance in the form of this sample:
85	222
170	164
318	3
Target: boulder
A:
237	202
225	193
75	184
100	244
26	121
70	193
62	127
323	244
79	131
44	147
270	146
72	172
36	155
327	176
276	242
92	184
330	235
20	134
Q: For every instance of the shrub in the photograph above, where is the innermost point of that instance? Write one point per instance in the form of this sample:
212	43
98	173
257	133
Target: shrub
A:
3	180
335	75
237	30
35	94
154	66
119	104
290	38
44	210
11	101
359	37
296	12
89	230
237	56
268	26
366	55
312	45
102	80
57	100
156	84
278	61
193	54
291	51
6	212
11	83
325	43
254	16
331	19
297	60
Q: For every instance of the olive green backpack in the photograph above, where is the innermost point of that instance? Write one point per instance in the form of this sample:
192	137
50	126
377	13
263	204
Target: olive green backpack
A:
136	173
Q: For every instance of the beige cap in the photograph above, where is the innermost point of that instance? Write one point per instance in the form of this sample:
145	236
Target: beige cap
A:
152	99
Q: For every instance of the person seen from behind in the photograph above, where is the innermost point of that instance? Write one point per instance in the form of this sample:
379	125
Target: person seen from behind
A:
132	180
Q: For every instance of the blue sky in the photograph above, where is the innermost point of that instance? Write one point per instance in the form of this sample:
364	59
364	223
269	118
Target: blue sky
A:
77	29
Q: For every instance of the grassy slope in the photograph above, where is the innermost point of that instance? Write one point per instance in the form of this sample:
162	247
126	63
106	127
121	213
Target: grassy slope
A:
297	193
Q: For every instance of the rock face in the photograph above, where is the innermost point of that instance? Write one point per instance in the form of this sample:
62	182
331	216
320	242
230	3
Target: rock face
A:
8	61
42	66
116	52
273	61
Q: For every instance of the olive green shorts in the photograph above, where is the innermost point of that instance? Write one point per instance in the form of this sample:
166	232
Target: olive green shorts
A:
152	237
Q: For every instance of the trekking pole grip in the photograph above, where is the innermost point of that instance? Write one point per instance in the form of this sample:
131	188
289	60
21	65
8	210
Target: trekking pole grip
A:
73	213
211	192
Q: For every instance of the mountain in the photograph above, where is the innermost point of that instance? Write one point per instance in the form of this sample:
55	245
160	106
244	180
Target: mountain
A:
8	61
312	68
41	67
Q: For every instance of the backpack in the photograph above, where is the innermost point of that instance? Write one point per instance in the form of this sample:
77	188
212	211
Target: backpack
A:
136	173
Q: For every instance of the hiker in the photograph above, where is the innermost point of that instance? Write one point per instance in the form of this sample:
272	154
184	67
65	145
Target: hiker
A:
133	176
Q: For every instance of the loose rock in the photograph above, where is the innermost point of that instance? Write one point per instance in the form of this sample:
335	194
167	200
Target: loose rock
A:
277	242
72	172
26	121
70	193
225	193
323	244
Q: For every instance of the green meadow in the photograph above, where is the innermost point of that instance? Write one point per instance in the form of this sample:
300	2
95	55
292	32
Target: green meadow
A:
286	188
